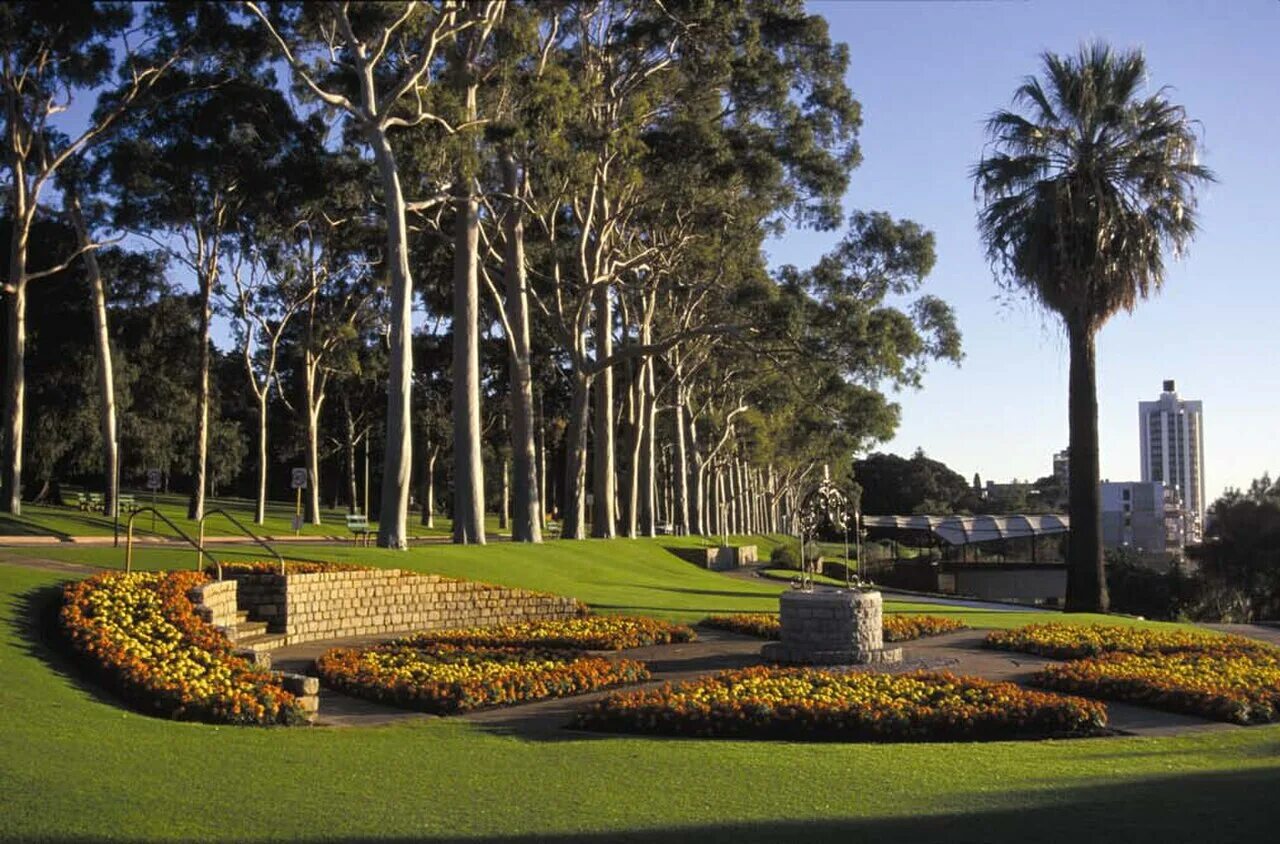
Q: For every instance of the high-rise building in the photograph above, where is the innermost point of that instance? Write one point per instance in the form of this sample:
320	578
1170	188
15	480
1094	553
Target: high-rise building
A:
1171	434
1062	466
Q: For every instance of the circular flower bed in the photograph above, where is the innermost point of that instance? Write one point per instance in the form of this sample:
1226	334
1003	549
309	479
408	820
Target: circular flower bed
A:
897	628
594	633
139	632
1243	688
1072	641
445	678
1227	678
807	703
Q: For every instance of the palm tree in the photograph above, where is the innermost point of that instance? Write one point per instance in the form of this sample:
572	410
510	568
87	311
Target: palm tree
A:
1084	185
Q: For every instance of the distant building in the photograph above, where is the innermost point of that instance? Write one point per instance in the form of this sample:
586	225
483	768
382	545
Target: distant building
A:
1171	437
1143	516
1062	467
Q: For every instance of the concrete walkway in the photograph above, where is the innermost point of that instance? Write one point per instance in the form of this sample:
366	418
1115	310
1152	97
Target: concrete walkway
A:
717	650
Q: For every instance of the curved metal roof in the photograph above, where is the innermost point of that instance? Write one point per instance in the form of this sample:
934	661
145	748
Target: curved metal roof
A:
963	530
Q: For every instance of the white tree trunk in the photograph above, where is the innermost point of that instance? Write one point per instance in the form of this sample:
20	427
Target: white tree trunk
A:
468	466
575	460
397	464
603	486
527	524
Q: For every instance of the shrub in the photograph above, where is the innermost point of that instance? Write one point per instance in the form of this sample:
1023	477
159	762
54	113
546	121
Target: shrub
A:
786	555
597	632
447	678
807	703
140	634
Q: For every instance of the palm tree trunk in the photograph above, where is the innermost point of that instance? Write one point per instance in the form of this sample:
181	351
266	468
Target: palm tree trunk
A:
1086	575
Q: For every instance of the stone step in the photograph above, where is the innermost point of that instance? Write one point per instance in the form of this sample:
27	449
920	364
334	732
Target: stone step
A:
245	630
242	616
257	649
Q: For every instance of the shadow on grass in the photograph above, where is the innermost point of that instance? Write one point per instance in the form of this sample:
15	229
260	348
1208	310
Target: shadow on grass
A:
9	526
36	624
1223	808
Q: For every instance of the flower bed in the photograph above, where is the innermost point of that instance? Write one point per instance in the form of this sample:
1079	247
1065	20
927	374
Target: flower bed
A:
1072	641
897	628
139	632
596	632
806	703
445	678
1241	687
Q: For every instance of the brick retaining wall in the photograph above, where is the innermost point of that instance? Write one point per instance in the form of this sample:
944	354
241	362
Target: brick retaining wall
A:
332	605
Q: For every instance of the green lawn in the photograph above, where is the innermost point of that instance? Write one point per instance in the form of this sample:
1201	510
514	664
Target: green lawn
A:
66	521
75	766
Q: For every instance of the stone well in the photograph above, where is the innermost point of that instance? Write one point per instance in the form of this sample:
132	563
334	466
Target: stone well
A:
831	627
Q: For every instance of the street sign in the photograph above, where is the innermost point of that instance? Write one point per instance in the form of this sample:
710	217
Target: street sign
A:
153	479
298	479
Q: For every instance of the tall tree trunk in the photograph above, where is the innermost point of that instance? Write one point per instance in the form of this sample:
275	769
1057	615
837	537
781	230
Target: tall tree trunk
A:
468	466
575	460
312	399
353	489
15	387
648	447
635	438
195	507
697	498
604	517
1086	575
504	505
429	489
397	463
102	345
527	524
680	466
260	504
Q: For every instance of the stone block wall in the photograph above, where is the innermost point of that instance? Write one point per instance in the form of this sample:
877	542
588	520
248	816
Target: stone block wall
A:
332	605
834	626
216	602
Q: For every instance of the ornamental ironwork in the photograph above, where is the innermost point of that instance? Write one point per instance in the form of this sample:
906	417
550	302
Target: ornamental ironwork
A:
827	504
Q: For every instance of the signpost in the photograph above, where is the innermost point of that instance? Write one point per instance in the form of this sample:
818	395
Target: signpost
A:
153	484
298	480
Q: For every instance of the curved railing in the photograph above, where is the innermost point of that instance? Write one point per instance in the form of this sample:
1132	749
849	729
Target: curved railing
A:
201	553
258	539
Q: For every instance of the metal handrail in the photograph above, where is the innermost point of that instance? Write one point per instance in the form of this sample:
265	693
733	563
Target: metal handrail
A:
258	539
128	542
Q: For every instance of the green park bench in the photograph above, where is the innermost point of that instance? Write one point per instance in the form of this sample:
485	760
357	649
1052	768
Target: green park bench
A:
358	524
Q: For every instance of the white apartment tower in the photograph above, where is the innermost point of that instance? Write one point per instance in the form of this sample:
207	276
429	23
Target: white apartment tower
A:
1171	432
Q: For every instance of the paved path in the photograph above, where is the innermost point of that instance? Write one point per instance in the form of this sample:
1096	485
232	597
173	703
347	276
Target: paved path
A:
718	650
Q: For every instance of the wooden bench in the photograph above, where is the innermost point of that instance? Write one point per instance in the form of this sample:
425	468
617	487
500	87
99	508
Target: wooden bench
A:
358	524
96	503
127	504
82	500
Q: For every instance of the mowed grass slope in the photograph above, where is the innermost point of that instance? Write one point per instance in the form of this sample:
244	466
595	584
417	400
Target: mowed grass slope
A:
75	766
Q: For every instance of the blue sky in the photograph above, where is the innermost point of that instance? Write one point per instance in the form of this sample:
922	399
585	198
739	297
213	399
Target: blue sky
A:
927	75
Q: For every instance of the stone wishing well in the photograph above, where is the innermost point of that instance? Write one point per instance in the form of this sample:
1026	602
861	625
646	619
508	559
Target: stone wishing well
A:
830	626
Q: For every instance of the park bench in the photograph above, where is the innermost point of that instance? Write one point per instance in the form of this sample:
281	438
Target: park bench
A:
358	524
127	504
82	500
95	502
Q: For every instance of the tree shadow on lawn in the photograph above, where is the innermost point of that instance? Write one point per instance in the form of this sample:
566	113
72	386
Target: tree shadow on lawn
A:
9	526
1222	808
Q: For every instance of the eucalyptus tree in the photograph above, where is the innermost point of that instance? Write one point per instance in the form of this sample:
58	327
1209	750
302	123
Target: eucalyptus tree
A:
1085	185
51	53
188	173
375	65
